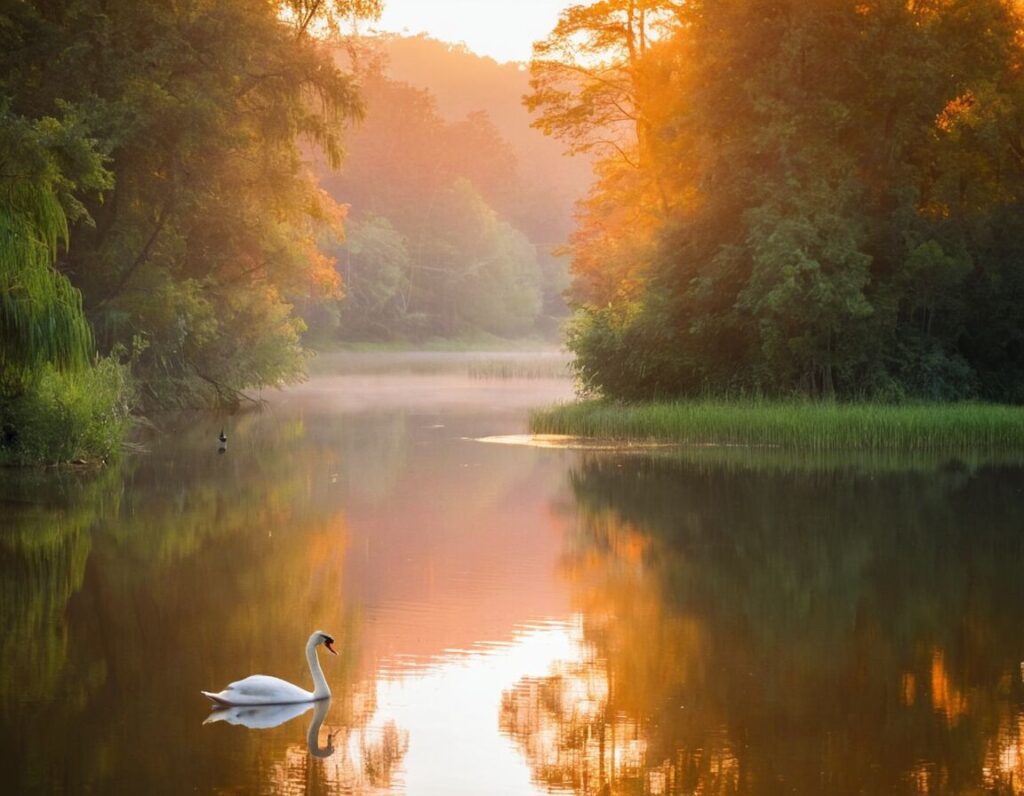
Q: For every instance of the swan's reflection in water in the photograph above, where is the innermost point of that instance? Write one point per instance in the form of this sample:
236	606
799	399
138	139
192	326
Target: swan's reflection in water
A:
264	717
368	755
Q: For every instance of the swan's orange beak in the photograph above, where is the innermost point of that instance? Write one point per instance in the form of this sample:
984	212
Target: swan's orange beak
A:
330	647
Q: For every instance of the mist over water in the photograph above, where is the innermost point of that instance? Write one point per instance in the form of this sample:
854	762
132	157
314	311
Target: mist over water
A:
509	619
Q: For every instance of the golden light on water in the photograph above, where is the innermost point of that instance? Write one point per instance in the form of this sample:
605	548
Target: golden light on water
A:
421	700
947	699
556	728
1004	758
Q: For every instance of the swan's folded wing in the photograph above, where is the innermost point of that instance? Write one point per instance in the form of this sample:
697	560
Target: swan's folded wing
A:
257	684
261	688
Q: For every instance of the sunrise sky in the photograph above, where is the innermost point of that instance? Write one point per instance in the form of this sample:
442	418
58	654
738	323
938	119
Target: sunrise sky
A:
502	29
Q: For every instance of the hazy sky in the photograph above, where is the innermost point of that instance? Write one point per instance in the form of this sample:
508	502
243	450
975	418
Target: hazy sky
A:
502	29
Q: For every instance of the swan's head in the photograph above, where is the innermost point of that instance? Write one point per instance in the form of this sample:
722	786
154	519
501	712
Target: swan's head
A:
319	637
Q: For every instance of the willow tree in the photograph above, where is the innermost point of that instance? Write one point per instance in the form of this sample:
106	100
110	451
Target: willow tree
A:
208	112
41	317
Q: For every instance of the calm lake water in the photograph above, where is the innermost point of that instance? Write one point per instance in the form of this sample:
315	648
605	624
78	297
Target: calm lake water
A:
510	620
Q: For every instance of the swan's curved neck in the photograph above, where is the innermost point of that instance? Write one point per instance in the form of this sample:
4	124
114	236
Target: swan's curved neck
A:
320	688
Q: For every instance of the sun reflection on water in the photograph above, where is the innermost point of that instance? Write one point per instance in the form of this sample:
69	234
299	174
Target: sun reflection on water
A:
1004	757
416	701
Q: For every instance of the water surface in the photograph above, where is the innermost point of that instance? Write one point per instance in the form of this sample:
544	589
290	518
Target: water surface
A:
510	619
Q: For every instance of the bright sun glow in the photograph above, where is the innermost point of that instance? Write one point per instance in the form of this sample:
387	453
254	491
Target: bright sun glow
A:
505	31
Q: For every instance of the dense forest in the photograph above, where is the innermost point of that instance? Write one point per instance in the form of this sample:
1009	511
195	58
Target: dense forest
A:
819	198
456	207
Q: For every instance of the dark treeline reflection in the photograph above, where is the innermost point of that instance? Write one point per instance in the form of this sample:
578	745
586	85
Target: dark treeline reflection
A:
124	592
753	629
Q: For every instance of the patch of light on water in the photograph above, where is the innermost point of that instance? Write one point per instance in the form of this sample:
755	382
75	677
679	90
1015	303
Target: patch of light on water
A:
422	697
567	442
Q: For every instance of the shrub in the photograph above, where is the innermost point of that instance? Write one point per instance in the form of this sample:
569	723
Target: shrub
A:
72	416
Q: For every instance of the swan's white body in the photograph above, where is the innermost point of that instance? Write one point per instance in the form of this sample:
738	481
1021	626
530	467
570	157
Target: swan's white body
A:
260	689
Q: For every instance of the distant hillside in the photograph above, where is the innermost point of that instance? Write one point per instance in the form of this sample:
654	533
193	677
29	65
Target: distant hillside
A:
456	206
464	82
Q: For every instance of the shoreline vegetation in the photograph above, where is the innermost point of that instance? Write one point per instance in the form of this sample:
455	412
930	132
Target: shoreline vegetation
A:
746	234
796	424
75	417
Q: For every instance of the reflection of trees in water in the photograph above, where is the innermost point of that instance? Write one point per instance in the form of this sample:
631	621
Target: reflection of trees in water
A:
364	762
771	631
381	754
565	727
44	547
381	443
151	580
365	757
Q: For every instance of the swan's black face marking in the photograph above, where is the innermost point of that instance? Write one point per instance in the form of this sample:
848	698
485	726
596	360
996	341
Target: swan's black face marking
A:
328	642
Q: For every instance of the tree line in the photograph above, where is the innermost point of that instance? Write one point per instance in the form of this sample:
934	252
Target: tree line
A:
818	198
430	247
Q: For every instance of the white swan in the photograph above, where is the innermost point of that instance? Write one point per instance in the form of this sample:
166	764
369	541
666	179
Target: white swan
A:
259	689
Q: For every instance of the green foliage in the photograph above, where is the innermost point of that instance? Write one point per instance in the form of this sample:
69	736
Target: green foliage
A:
801	223
485	273
41	318
206	239
627	350
67	416
375	267
430	251
56	403
793	424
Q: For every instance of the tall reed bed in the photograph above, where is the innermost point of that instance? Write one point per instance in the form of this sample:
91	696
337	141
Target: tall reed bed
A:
792	424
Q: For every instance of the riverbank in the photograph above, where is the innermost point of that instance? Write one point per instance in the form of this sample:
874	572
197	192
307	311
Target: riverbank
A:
792	424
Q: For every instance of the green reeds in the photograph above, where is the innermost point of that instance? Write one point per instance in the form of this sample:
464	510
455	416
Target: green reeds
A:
793	424
552	366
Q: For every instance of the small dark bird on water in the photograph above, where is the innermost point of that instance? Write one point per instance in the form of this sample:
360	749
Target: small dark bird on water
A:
223	438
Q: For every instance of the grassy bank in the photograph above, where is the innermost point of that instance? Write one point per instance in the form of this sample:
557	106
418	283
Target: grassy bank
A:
814	426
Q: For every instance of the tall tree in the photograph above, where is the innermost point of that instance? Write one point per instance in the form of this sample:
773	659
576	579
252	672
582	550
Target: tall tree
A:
208	235
595	84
